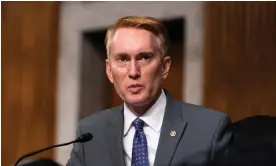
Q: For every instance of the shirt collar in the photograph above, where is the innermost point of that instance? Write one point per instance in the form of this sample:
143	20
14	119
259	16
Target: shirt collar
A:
153	117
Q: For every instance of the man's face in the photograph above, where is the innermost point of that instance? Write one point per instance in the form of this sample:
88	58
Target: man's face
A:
136	66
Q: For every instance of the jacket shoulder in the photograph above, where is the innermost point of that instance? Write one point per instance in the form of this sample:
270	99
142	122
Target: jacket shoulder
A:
201	111
99	118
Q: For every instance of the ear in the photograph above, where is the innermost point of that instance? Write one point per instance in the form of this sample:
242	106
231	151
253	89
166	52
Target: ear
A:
108	70
166	66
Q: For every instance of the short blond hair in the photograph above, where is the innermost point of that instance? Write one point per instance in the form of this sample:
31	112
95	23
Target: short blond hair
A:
141	22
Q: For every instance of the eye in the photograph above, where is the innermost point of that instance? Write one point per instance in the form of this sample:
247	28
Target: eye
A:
145	56
123	58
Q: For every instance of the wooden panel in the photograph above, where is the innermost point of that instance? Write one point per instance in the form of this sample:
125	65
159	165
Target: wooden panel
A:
29	58
174	82
240	54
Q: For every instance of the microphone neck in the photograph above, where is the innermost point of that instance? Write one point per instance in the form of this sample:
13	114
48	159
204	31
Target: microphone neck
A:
81	139
42	150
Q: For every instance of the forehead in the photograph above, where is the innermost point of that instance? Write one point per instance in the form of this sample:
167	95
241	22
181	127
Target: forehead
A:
133	40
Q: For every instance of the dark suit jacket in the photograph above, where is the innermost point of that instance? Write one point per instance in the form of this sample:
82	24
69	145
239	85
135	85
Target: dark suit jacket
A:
253	144
200	135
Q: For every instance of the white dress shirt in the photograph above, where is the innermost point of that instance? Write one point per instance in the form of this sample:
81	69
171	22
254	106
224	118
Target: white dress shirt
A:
153	119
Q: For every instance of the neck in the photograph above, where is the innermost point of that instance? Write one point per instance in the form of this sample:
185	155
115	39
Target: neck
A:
141	109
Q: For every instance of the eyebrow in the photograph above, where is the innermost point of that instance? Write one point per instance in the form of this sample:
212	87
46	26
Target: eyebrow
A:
121	54
146	52
140	53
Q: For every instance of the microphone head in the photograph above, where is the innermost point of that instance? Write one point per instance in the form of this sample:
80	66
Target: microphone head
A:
84	138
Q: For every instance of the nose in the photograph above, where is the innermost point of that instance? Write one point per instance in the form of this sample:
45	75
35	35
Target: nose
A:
134	70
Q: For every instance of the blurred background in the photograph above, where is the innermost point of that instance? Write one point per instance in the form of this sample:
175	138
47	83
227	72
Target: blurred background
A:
224	58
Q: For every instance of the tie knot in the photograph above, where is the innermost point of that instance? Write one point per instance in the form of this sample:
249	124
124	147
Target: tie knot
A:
138	124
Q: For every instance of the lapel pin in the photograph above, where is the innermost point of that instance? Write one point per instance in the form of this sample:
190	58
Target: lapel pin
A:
173	133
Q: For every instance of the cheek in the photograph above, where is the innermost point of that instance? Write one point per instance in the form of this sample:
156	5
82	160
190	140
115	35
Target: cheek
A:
153	75
118	75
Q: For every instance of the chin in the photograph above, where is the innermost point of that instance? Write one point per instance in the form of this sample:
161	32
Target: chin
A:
136	101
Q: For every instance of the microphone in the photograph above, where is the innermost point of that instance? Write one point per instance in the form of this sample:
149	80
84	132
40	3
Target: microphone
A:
81	139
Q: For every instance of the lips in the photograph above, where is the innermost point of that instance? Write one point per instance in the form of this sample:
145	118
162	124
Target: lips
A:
135	88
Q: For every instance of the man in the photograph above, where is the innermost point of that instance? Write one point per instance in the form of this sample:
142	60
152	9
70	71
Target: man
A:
150	128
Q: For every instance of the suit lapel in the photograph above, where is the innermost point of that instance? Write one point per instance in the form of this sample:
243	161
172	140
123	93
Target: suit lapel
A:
171	132
114	136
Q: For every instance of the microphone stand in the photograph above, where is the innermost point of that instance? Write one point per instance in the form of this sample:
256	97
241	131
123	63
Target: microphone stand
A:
83	138
42	150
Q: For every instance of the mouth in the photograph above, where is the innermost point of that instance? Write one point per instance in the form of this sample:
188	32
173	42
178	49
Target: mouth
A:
135	88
